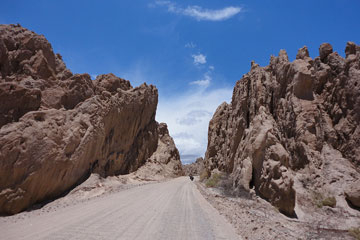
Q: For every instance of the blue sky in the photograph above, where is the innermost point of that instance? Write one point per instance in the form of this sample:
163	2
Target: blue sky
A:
193	51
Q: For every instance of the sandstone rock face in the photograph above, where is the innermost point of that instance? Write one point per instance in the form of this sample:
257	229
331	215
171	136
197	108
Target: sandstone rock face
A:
165	162
57	128
282	122
194	168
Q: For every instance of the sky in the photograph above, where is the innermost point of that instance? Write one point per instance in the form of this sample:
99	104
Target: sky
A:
193	51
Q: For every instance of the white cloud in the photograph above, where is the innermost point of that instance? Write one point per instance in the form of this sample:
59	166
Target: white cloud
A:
211	68
205	82
211	15
200	13
188	116
199	59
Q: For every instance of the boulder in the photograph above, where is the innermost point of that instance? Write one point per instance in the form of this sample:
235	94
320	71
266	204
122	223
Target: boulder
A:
353	194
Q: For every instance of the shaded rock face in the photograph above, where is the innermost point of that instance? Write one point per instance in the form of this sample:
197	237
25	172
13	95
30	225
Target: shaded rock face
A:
57	127
165	162
194	168
283	121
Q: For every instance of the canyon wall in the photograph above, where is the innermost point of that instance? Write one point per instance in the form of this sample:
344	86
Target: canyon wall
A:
293	129
56	127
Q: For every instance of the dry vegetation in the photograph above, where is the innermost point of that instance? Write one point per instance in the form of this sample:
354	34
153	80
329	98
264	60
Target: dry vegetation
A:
355	232
204	175
214	180
321	200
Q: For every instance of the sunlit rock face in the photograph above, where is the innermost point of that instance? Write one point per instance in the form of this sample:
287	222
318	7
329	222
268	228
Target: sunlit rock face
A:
292	128
58	127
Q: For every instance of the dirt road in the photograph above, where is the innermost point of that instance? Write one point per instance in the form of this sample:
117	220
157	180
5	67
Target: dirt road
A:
168	210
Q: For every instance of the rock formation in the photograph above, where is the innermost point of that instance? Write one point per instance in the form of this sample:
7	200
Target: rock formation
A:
292	129
164	162
56	127
194	168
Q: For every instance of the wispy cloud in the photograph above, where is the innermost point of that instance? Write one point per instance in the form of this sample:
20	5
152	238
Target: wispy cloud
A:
199	13
205	82
211	15
199	58
190	45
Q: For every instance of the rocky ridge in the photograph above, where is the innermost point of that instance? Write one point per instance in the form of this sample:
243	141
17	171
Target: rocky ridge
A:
292	131
56	127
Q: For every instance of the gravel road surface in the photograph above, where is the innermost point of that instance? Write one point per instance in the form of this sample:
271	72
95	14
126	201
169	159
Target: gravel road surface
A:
169	210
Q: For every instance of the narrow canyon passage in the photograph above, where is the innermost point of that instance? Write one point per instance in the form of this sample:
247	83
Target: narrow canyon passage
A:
168	210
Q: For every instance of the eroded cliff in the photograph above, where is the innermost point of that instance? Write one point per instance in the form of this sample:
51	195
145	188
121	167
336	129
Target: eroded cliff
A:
57	127
292	129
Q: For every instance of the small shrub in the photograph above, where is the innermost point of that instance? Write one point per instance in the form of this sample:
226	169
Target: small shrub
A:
329	201
213	180
355	232
320	200
204	175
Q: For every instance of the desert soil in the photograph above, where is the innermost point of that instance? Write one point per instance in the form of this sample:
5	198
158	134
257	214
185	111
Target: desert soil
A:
256	219
169	210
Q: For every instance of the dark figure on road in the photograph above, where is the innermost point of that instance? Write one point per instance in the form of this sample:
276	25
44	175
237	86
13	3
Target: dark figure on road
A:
191	177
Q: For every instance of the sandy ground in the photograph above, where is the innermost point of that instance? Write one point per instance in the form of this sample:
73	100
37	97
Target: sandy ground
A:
169	210
256	219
